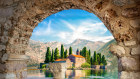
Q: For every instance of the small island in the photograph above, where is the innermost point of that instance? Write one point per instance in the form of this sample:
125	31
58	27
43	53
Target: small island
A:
81	60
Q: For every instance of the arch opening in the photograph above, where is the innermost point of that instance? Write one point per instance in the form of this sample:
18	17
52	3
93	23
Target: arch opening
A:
77	29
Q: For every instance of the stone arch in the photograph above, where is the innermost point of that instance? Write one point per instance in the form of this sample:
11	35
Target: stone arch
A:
18	18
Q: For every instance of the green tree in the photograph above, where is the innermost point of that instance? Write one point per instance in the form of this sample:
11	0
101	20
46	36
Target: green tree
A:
95	62
56	54
80	52
62	51
65	54
52	57
104	60
91	61
48	55
89	53
99	58
70	50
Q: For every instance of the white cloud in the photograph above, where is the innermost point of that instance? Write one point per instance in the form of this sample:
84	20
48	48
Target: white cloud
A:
44	32
84	31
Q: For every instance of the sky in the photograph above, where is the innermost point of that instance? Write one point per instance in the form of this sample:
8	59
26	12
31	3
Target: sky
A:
69	25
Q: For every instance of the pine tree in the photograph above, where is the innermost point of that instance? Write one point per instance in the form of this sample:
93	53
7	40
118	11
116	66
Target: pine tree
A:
65	53
70	50
56	54
48	55
52	57
62	51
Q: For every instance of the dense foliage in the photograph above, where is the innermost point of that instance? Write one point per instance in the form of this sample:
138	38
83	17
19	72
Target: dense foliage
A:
96	59
85	65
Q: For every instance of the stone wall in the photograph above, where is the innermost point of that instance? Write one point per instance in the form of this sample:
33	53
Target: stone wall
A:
18	18
79	61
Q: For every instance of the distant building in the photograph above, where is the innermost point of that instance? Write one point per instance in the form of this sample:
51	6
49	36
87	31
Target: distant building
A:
67	61
72	60
77	60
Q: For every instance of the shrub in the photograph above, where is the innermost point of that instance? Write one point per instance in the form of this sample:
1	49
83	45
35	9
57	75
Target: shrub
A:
43	66
85	65
101	64
95	63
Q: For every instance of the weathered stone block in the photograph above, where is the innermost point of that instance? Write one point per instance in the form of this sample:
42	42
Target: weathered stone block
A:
7	76
118	50
2	67
131	12
6	12
136	51
4	57
4	39
122	2
129	43
135	23
129	75
129	63
2	47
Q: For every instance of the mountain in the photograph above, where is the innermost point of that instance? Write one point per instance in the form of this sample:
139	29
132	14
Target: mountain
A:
111	59
37	50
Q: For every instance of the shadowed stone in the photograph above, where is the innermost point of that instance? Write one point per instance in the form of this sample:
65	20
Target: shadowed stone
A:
2	47
4	57
122	2
131	12
135	23
138	35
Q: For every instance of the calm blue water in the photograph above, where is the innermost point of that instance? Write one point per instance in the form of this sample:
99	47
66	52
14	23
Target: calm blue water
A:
73	74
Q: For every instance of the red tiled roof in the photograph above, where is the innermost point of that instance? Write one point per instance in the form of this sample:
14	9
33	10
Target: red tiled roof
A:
78	56
60	59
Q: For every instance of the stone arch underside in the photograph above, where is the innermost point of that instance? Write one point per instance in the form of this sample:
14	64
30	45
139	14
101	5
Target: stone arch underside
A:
18	18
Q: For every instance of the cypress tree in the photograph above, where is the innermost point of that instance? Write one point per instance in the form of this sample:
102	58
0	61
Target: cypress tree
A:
89	53
56	54
52	57
80	52
70	50
91	61
65	53
62	51
48	55
95	58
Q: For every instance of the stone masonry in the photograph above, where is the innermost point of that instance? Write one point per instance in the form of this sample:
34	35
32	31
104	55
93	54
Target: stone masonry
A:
18	18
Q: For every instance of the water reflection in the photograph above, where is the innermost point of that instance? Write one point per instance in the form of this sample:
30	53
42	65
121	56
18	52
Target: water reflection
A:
73	74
